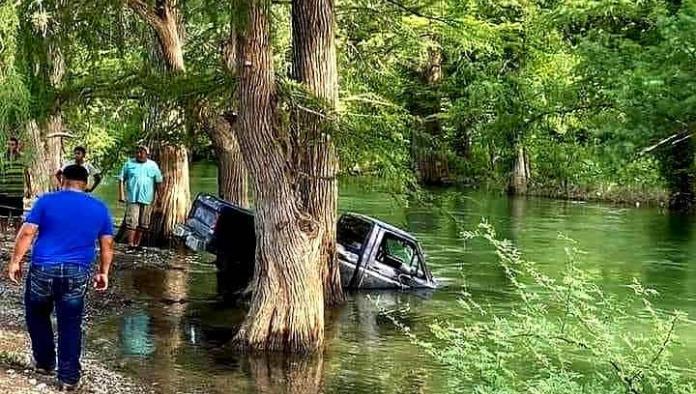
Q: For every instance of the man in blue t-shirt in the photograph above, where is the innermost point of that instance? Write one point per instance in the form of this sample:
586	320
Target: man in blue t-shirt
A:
65	226
139	179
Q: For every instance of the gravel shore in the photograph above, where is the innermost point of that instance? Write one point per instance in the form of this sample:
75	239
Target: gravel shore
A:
16	374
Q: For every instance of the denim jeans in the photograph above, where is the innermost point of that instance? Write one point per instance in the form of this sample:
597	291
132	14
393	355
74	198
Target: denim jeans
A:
62	286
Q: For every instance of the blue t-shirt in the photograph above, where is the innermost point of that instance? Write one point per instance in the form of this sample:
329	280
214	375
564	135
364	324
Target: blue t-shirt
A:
70	223
140	179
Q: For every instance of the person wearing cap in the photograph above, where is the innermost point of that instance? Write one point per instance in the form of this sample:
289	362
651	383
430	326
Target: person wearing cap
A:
139	179
80	154
63	227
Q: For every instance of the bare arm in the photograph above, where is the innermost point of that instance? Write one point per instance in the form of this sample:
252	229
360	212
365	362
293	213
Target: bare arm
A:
106	256
25	237
97	181
59	176
158	190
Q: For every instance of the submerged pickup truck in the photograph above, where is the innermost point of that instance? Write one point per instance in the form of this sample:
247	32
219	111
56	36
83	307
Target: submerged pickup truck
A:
372	254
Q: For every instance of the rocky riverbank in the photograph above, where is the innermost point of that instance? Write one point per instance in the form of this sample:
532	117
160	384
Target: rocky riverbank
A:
16	374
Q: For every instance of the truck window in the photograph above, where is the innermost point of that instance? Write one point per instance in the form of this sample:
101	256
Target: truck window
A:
352	233
399	254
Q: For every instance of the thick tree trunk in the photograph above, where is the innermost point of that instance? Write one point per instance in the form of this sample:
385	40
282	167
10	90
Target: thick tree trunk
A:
233	185
39	167
47	135
314	65
173	201
174	198
431	162
46	153
287	307
519	179
428	154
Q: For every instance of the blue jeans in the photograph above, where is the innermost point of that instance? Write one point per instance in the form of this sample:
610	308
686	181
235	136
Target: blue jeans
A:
63	286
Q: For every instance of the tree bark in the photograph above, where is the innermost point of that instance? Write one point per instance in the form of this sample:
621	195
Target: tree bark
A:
39	166
287	306
173	198
314	66
521	174
428	155
165	20
172	203
46	135
233	185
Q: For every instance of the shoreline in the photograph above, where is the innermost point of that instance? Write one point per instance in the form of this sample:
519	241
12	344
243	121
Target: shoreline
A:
16	373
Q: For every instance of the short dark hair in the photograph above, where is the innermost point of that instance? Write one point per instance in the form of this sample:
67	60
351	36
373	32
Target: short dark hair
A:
14	139
80	149
75	173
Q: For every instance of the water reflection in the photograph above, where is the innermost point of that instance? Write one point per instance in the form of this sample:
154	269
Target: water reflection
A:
182	347
155	330
672	237
287	374
136	337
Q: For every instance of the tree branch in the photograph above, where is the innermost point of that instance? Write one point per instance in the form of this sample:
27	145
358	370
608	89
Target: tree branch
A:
146	12
418	13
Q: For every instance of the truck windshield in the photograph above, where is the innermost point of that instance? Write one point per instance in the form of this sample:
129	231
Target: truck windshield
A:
352	233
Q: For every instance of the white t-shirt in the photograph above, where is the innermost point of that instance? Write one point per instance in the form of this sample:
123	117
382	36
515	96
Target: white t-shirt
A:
91	170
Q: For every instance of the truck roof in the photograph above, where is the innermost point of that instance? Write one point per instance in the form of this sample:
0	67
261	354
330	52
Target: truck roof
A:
384	225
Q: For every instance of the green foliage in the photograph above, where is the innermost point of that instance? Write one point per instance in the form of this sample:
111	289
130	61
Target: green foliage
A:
595	346
584	86
14	97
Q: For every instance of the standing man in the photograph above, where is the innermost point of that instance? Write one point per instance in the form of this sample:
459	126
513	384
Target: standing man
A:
14	184
80	154
68	222
139	180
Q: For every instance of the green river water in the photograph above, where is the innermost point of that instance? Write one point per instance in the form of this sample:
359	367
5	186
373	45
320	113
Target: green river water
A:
181	348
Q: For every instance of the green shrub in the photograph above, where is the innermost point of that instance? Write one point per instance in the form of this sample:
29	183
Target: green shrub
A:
564	335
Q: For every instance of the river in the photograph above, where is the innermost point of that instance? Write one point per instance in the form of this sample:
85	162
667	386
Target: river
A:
181	348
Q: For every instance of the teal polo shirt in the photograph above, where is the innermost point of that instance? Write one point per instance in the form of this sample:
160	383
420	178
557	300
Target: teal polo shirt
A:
140	179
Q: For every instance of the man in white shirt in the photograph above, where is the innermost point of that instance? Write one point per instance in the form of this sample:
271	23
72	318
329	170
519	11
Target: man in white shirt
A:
79	159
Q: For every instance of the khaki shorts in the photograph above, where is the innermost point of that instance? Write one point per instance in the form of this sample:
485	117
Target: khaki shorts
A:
138	215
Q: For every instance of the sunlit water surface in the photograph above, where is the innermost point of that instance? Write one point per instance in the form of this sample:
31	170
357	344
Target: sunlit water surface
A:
181	348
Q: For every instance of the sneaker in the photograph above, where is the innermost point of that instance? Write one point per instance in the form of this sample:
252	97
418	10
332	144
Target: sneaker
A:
41	370
67	386
44	371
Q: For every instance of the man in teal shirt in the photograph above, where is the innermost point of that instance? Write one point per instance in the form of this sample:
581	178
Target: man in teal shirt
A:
139	180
